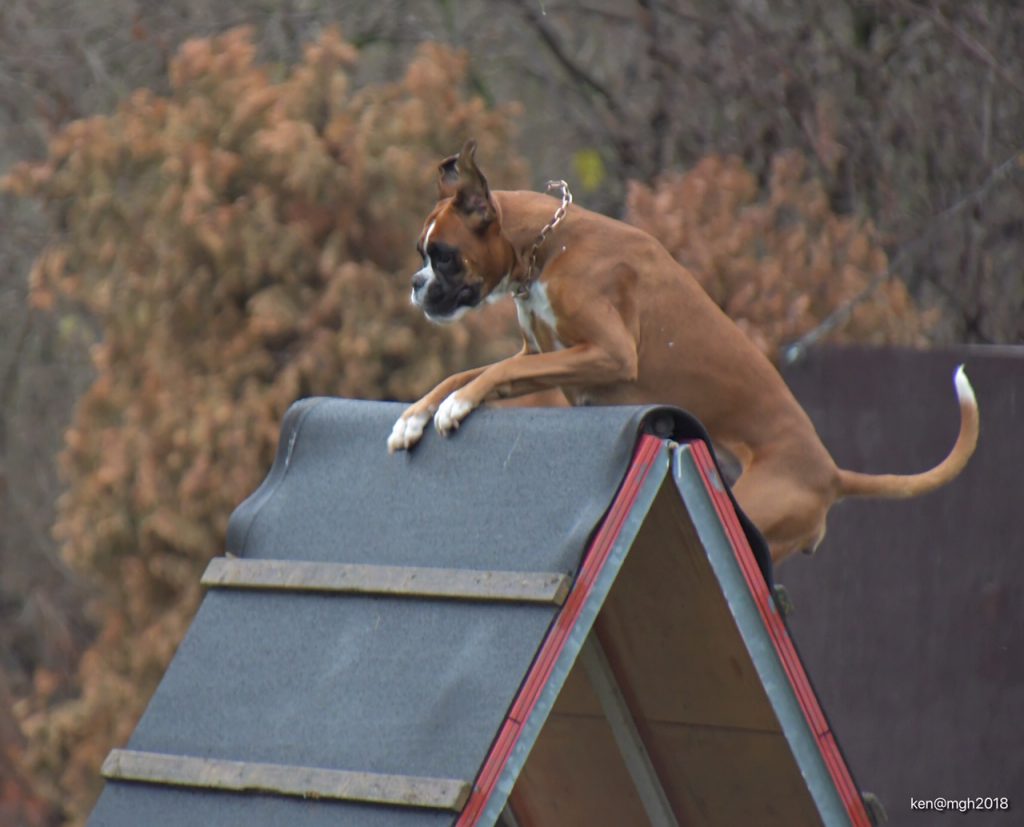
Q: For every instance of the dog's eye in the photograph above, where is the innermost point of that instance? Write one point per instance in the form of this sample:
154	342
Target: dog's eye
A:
443	256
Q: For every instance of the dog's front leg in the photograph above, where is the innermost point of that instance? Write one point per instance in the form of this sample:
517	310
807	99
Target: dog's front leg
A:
584	364
409	427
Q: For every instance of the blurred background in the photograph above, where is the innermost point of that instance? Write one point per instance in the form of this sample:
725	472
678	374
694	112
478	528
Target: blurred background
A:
209	210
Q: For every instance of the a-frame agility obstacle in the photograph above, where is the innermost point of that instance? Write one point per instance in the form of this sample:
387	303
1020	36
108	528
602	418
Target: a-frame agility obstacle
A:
554	617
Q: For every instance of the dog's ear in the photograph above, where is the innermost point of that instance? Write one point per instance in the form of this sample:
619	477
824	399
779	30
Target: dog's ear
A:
459	176
447	177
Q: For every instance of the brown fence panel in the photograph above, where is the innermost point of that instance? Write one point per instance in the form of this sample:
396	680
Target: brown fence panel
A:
911	616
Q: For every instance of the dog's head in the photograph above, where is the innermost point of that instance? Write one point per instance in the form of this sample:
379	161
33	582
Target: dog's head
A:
465	255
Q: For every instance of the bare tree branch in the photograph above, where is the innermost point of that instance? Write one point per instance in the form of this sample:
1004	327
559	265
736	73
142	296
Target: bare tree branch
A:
614	113
660	120
969	44
550	38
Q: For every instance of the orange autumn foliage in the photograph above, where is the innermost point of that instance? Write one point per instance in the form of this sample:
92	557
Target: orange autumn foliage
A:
240	243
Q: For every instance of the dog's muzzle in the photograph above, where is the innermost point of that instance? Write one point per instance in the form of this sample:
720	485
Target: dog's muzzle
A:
442	300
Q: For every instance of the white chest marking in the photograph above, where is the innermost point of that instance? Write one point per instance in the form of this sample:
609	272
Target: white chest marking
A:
500	291
536	308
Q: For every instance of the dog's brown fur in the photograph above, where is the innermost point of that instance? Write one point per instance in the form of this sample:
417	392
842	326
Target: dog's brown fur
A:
614	319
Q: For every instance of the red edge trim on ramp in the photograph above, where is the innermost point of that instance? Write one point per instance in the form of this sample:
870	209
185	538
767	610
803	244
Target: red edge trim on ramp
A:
596	556
646	451
840	773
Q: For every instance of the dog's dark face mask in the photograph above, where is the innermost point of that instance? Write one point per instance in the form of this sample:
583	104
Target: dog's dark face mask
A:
443	288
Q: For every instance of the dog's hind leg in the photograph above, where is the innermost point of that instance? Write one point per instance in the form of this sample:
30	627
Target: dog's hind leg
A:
789	515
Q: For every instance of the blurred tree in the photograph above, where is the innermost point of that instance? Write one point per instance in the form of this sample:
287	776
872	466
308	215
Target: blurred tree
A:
241	243
19	805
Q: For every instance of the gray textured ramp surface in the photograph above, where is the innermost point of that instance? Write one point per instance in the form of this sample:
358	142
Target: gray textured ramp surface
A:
145	805
404	686
516	490
396	686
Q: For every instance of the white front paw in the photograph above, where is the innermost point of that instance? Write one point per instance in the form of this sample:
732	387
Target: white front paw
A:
407	432
452	411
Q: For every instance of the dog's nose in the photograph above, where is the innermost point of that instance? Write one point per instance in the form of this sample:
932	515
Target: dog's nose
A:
418	281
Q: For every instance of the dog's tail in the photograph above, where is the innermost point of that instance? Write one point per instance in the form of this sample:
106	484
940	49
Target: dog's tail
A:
853	484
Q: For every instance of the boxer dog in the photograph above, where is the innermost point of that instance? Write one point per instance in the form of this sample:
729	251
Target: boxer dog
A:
608	316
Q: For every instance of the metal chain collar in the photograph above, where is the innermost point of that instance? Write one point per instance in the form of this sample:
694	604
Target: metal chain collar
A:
523	288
